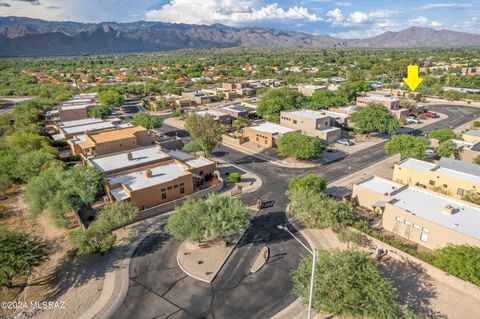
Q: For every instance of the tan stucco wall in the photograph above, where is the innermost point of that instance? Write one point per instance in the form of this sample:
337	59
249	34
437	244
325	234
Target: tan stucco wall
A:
366	197
408	176
439	236
264	139
469	156
72	115
151	196
119	145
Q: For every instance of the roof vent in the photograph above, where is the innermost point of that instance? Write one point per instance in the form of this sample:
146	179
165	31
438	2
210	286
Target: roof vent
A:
130	156
148	173
449	210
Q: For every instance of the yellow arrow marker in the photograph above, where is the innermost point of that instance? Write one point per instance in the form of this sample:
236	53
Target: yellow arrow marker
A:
413	81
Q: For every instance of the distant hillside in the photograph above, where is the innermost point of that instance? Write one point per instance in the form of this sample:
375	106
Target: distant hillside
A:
33	37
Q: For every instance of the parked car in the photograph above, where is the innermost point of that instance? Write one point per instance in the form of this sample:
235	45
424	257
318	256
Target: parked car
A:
345	142
430	114
413	120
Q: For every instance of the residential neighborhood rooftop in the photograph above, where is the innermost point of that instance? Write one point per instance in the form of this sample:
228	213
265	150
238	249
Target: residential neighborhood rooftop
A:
88	127
308	113
417	165
473	133
380	185
461	169
272	128
145	155
86	121
113	135
198	162
430	206
160	174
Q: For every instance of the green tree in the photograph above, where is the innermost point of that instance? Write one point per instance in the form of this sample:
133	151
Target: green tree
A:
462	261
217	217
324	99
118	214
476	160
299	146
239	123
448	149
443	134
374	118
23	142
347	283
110	99
407	146
276	100
58	191
98	238
19	254
317	210
147	121
29	164
100	111
350	89
310	181
205	131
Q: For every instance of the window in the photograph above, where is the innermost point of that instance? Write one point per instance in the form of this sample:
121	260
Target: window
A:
182	190
294	121
407	222
163	190
398	219
201	173
175	186
164	195
416	226
431	183
445	185
424	237
182	184
169	187
460	191
425	230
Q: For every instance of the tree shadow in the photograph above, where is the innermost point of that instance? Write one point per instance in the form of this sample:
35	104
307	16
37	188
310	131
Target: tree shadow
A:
76	271
414	287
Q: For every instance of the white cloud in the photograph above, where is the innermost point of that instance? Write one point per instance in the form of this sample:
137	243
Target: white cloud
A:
358	17
434	6
226	11
436	24
418	21
335	16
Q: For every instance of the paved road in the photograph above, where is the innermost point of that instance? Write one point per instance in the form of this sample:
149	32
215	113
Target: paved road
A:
159	289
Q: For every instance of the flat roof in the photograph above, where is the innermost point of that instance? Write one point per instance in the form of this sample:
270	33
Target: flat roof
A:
380	185
237	108
430	206
380	98
119	193
459	169
89	127
75	106
198	162
307	113
473	133
272	128
313	87
119	161
160	174
417	165
212	113
80	122
112	135
179	155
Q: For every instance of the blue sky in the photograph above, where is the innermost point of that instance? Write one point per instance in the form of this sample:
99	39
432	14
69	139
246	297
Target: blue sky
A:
342	18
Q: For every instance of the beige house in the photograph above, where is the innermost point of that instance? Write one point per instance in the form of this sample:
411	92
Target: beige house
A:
265	134
108	141
447	176
309	90
149	177
427	218
314	123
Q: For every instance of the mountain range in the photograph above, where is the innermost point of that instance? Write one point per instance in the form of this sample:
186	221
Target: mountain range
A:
33	37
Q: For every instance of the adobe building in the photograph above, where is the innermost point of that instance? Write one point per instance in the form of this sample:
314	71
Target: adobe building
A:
69	129
150	177
392	104
424	217
108	141
451	177
309	90
265	134
472	136
314	123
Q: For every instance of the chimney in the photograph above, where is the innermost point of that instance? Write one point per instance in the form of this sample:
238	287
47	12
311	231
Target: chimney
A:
130	156
148	173
449	210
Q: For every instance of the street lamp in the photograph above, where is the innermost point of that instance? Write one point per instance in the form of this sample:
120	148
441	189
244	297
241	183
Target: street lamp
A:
313	252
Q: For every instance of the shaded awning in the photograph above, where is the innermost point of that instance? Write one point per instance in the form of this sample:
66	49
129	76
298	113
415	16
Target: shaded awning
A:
379	203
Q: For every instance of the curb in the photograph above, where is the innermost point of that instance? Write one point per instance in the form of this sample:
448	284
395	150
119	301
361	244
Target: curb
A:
185	271
103	306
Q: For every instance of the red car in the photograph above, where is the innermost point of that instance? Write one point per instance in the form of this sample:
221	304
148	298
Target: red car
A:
430	114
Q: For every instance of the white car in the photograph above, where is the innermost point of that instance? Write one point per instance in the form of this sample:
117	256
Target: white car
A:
345	142
412	120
